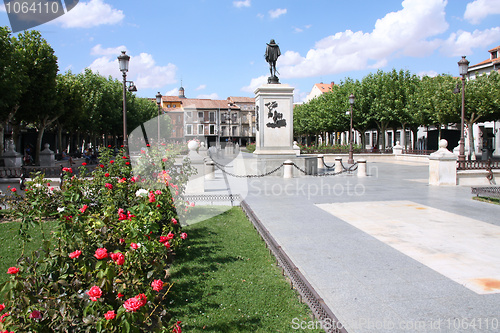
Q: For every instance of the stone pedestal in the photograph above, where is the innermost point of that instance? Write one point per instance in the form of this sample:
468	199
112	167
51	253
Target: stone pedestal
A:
11	158
397	149
296	148
288	169
338	165
443	166
274	120
47	157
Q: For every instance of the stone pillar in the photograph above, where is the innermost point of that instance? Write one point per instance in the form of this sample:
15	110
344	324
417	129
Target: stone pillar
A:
338	165
321	162
361	168
47	157
274	120
196	183
203	150
288	169
11	158
397	149
443	166
209	170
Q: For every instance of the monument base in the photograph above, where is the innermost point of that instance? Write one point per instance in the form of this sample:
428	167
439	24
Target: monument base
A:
249	164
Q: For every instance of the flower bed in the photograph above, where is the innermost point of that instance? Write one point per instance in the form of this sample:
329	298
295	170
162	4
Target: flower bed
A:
106	268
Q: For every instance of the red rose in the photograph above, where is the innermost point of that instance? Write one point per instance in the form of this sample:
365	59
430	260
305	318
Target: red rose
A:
76	254
124	157
2	318
106	174
13	270
111	162
101	253
167	245
152	197
184	235
127	163
84	208
102	166
13	189
163	239
157	285
94	293
120	295
118	258
2	306
84	164
170	235
174	221
108	185
110	315
134	246
35	314
135	303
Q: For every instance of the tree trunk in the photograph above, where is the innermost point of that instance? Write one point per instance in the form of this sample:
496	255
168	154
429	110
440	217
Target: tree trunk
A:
59	139
2	130
38	147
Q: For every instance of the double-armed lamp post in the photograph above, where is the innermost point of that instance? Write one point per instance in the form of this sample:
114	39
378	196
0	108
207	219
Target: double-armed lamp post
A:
463	66
123	61
351	148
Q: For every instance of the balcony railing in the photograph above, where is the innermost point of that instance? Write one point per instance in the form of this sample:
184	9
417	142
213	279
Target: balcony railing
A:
478	165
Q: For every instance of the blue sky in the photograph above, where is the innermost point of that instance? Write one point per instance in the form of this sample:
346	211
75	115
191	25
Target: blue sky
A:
216	47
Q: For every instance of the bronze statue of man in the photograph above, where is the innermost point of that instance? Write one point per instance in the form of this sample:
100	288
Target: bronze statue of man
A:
272	54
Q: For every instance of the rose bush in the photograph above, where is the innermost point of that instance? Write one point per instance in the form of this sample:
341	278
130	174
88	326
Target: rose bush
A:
101	272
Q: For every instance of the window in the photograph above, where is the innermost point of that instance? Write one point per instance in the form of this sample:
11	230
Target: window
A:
211	117
200	116
223	130
174	106
211	129
494	54
234	117
201	130
189	129
189	114
234	131
168	105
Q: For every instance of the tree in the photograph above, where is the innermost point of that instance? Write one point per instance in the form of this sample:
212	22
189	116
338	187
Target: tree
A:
37	104
482	102
12	79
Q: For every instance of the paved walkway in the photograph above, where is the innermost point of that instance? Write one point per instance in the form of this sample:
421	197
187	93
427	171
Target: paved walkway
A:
389	253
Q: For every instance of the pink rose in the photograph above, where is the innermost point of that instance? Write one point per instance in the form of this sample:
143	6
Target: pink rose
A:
184	235
135	303
174	221
101	253
170	235
13	270
134	246
151	196
167	245
94	293
118	258
110	315
157	285
157	192
76	254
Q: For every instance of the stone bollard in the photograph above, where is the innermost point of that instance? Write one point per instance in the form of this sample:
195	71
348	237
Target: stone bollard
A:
338	165
361	168
196	183
397	149
47	157
209	170
321	161
288	169
443	166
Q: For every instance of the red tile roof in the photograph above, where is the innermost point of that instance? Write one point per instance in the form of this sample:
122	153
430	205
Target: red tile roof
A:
241	99
195	103
325	87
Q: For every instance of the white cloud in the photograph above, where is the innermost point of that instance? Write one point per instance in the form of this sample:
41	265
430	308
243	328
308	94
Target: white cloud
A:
297	30
90	14
110	51
479	9
149	74
173	92
428	73
462	42
275	13
208	96
242	3
405	32
255	83
201	87
261	16
2	8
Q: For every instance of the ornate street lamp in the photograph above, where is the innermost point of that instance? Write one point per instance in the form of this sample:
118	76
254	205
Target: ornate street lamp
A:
123	61
351	149
158	101
463	66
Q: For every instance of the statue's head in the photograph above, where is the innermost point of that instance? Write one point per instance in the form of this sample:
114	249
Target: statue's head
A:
272	41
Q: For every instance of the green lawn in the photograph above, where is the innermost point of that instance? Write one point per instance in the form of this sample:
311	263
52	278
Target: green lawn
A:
12	244
227	281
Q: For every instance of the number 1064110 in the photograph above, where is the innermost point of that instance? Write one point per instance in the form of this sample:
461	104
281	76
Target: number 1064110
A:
32	7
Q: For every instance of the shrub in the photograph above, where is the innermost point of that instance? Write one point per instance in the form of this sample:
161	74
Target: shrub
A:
105	267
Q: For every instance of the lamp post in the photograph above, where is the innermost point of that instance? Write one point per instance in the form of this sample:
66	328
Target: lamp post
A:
158	101
463	66
123	61
351	151
230	122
